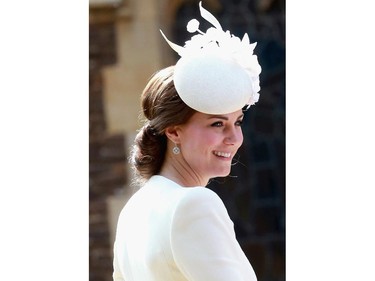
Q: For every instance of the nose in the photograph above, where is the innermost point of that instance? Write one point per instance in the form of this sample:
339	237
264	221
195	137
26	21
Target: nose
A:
233	136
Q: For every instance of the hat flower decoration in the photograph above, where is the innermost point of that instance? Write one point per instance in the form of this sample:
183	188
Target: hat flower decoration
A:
218	72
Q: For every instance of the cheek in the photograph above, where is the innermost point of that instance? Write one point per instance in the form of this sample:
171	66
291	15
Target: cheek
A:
200	141
210	141
241	139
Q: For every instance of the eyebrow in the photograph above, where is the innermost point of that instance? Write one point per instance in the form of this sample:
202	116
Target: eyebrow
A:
224	117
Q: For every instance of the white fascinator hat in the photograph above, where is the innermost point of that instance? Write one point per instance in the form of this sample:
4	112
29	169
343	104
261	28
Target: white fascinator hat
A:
217	72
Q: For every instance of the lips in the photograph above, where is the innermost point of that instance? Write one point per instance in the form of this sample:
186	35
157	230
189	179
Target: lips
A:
222	154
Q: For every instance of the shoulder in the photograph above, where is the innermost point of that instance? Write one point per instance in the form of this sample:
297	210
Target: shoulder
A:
201	196
183	195
183	201
197	204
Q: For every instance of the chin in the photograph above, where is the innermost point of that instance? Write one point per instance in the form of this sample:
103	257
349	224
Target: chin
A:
223	173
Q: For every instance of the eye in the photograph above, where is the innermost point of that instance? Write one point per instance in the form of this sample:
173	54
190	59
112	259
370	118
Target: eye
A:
239	123
217	124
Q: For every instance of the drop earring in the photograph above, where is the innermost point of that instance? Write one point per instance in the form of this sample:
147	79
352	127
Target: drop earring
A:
176	149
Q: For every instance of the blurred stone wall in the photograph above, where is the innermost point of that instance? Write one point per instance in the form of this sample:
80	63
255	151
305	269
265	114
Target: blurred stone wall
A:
107	173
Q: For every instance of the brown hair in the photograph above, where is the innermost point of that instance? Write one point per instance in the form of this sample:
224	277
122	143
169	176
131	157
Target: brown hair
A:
162	107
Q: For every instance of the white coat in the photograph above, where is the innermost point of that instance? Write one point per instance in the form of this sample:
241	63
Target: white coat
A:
167	232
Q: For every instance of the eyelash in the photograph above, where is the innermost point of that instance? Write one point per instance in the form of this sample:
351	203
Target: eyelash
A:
220	123
239	122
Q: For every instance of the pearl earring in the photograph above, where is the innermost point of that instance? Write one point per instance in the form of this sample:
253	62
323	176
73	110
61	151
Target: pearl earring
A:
176	149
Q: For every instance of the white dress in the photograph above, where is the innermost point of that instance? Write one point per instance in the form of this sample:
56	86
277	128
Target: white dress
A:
167	232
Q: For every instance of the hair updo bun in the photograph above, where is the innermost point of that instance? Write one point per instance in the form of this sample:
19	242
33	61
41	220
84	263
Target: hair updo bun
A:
162	107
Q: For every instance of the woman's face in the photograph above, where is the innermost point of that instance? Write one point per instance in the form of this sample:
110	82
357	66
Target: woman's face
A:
209	142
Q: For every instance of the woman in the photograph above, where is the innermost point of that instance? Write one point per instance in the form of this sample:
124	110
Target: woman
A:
174	228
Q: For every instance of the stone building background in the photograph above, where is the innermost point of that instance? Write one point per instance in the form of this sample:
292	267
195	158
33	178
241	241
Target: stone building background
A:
125	48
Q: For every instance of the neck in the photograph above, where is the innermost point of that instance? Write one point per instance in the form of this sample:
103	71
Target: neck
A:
178	170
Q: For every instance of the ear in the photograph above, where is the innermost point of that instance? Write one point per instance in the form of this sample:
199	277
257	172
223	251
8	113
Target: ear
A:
172	133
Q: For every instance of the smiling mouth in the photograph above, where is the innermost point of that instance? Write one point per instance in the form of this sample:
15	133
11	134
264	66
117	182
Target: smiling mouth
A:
222	154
